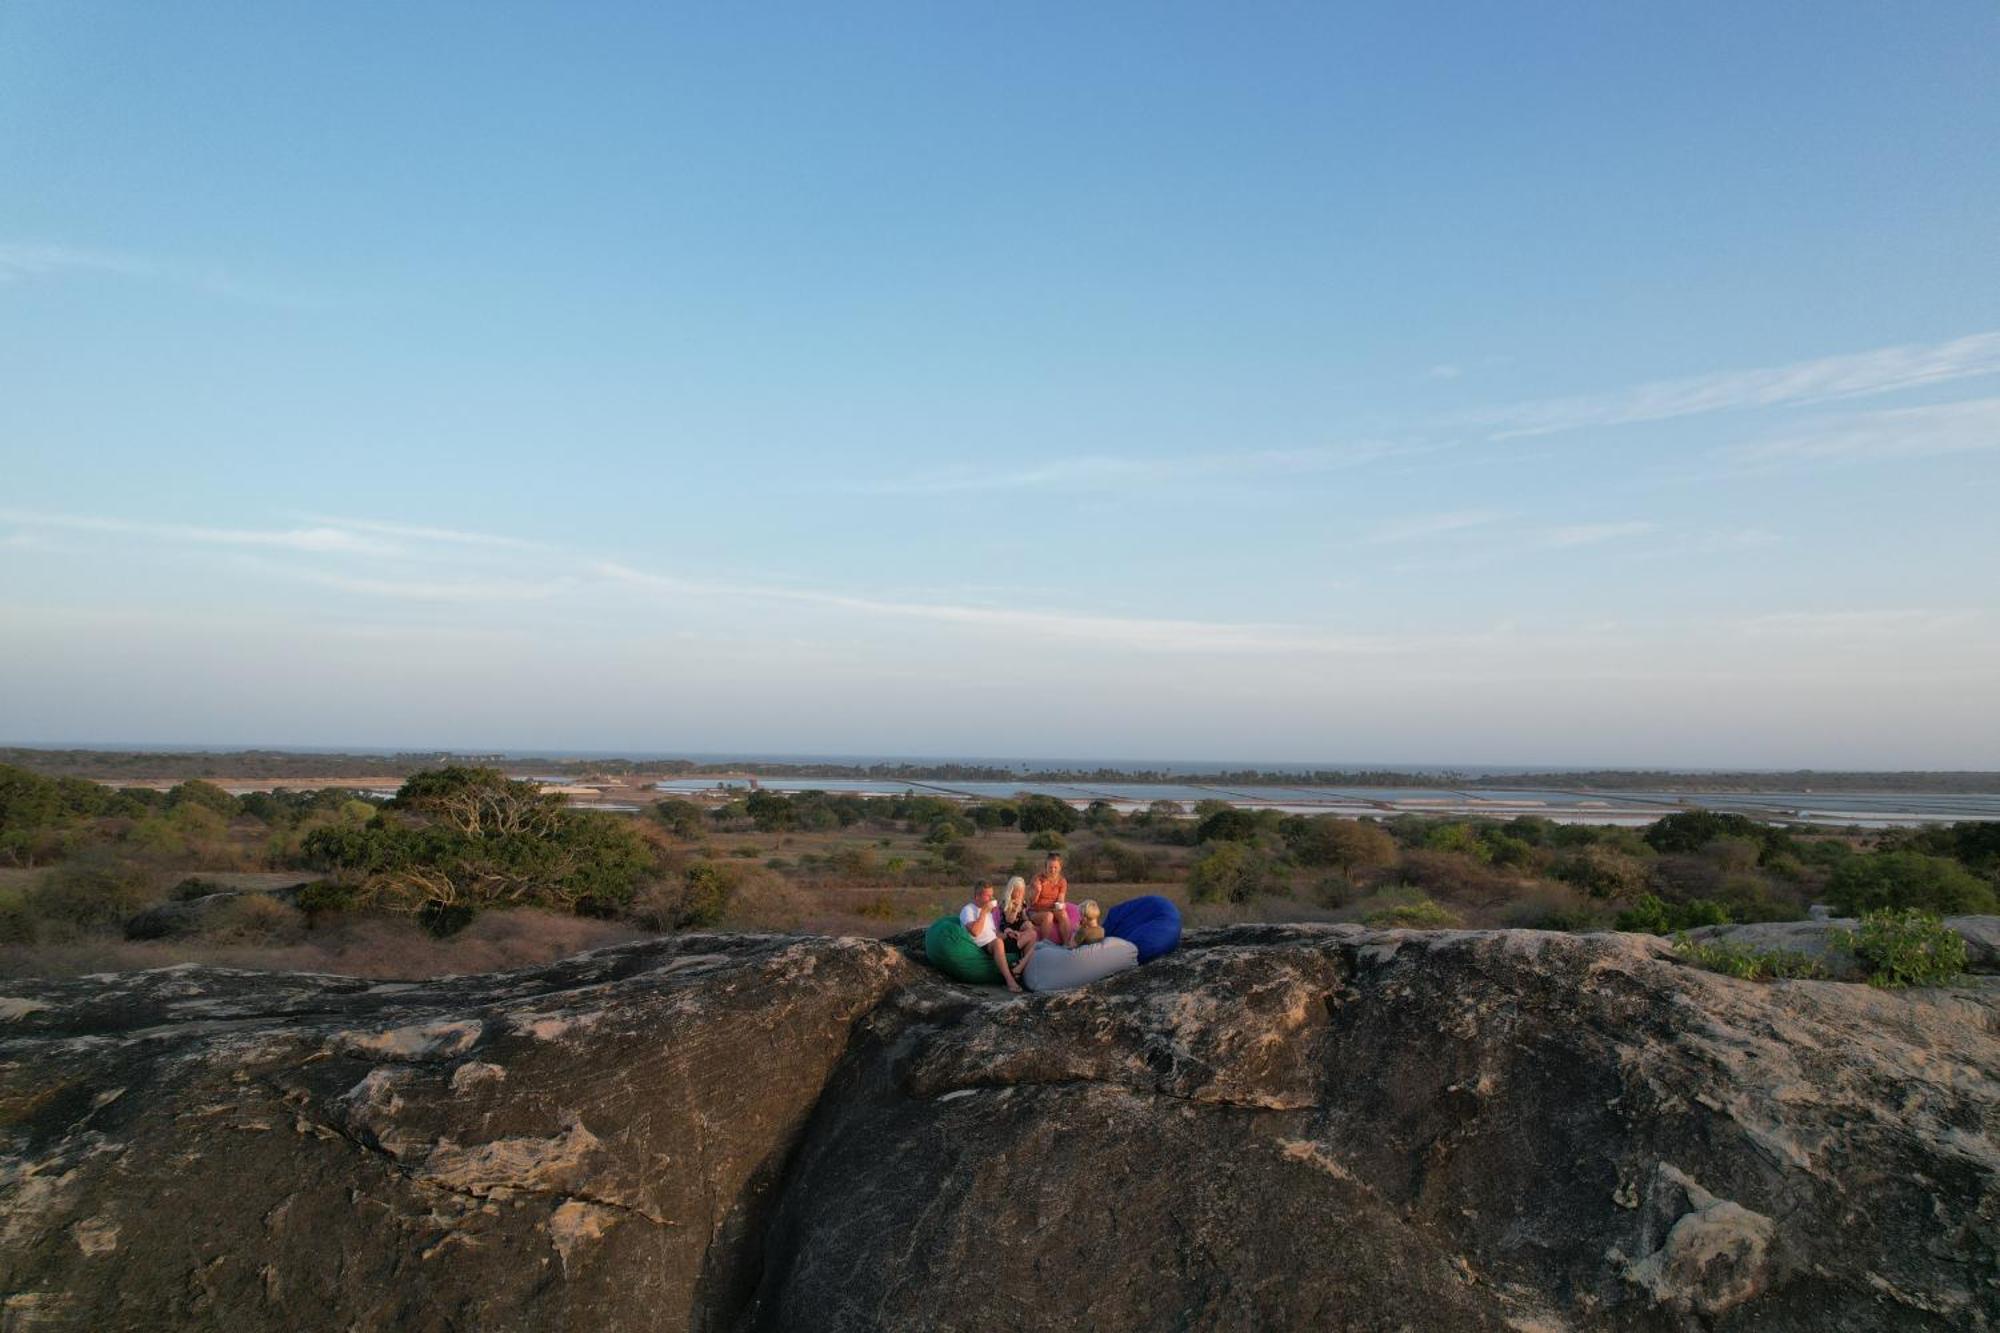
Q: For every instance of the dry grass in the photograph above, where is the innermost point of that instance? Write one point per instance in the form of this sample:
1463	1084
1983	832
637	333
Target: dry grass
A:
390	949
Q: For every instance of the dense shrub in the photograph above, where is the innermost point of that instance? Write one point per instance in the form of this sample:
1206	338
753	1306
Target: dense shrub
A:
1232	872
1692	830
1411	913
1746	963
1906	947
1040	814
1048	840
1551	907
1603	872
256	918
1453	875
482	841
1111	862
682	819
99	889
1227	825
1348	845
696	899
1653	915
1907	879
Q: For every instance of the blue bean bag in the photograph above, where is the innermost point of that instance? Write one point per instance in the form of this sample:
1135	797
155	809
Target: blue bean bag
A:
1151	922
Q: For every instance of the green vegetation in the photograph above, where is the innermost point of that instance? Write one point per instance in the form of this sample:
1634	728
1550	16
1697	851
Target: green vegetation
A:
270	765
1655	916
1906	947
1900	879
1412	912
78	859
1748	964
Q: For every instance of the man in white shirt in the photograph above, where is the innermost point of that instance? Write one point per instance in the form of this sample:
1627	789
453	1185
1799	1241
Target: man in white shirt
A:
977	918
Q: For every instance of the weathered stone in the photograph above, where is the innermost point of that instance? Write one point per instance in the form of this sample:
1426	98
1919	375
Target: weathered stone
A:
1278	1127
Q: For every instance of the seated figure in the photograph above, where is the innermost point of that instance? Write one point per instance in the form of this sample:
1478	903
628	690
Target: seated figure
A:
1017	931
977	918
1090	929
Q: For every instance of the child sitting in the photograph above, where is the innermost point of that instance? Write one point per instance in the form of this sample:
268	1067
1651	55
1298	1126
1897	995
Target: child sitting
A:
1089	930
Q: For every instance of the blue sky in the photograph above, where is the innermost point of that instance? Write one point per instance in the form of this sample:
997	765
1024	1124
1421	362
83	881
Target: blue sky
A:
1543	383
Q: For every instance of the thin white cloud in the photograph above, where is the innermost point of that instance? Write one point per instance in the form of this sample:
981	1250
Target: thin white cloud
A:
1444	371
1884	370
22	262
1140	633
314	539
1425	526
1590	534
1102	472
431	590
1858	624
421	533
1866	437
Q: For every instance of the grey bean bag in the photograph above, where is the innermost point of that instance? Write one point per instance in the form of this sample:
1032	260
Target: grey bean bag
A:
1052	967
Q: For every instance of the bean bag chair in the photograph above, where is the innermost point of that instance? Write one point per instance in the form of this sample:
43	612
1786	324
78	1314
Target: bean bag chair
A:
1152	923
950	948
1052	967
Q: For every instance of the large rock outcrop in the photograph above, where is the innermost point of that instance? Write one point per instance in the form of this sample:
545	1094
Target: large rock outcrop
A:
1278	1127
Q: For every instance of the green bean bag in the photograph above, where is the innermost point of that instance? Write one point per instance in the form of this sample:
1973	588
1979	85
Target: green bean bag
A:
950	948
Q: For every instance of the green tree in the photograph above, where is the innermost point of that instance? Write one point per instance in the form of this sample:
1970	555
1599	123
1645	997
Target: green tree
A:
1692	830
204	794
1228	824
1602	872
1046	813
683	819
1350	845
1232	872
769	811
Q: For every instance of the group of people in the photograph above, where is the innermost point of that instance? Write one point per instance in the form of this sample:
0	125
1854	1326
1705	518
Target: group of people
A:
1019	922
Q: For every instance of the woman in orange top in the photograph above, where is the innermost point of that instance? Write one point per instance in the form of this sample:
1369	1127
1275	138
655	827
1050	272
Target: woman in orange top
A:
1049	910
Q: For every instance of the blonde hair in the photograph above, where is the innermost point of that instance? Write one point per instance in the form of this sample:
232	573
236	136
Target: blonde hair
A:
1088	931
1017	889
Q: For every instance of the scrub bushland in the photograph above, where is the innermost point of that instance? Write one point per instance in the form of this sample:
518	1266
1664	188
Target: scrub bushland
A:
457	844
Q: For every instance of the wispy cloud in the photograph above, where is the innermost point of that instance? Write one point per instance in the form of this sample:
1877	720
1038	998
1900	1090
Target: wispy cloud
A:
1104	472
434	590
1864	437
21	261
420	533
1853	624
1590	534
1138	633
1861	374
25	261
1422	527
315	539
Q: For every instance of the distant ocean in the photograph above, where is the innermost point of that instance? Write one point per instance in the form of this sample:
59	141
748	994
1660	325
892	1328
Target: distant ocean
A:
1025	764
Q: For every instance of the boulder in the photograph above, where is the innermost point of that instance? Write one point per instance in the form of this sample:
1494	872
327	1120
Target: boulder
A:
1274	1127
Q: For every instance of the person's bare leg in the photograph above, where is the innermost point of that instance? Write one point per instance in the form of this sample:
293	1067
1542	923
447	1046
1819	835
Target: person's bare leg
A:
999	951
1061	915
1027	951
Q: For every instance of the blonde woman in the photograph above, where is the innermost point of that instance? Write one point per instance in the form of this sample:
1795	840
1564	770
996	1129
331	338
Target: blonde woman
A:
1015	927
